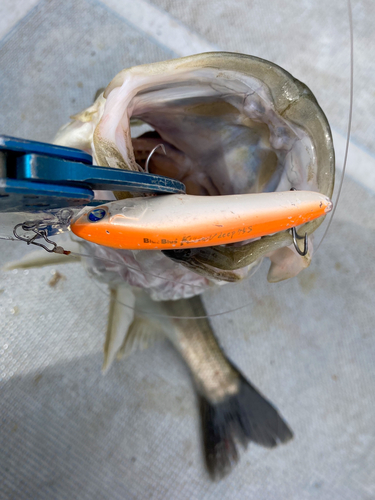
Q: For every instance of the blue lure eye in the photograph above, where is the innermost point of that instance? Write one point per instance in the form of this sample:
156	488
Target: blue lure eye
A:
96	214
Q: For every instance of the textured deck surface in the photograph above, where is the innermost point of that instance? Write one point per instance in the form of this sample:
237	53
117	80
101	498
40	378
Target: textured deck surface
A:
68	432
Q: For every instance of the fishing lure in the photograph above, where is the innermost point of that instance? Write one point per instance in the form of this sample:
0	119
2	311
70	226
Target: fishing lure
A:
180	221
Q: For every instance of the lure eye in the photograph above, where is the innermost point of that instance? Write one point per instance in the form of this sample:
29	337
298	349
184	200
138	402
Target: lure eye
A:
96	215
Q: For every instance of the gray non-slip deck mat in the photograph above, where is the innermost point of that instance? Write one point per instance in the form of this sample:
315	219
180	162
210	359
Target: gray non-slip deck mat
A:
68	432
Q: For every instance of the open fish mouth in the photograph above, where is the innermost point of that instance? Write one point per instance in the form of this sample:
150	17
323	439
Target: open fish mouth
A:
230	124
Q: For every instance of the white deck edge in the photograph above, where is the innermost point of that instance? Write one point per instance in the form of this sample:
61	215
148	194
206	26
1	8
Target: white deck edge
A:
162	27
11	12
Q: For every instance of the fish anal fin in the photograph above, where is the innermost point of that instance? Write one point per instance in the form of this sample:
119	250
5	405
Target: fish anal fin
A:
142	333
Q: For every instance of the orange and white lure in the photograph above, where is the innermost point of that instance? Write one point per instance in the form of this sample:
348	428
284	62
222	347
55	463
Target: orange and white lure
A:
179	221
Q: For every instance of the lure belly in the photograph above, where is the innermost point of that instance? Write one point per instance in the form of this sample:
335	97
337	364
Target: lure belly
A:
180	221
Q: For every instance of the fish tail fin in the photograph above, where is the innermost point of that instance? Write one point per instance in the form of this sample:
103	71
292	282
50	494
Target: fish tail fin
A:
239	418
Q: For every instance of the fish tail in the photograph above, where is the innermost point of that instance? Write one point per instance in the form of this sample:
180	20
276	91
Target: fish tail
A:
241	417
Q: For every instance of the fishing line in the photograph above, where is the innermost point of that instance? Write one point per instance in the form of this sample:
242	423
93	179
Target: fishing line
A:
165	316
119	264
170	280
8	238
349	122
197	286
110	261
248	304
351	92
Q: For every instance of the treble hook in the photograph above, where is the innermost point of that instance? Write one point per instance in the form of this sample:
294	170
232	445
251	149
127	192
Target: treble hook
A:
41	233
296	237
152	152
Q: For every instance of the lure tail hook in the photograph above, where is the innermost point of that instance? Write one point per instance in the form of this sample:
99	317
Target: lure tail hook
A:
296	237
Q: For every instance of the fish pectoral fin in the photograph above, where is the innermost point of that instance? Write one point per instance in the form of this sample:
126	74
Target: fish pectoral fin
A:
142	333
286	263
120	317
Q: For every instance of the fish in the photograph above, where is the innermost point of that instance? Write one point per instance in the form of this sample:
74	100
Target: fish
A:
230	124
